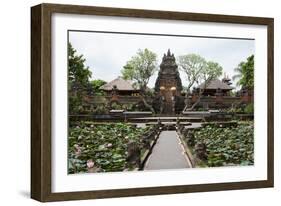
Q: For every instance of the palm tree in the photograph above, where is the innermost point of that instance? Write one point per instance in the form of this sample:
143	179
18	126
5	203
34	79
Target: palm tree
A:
239	73
245	73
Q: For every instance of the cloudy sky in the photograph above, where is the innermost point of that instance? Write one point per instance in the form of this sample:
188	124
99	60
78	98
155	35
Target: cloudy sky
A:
107	53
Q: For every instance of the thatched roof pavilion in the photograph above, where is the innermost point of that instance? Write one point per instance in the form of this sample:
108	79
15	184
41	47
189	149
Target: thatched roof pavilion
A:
124	87
215	86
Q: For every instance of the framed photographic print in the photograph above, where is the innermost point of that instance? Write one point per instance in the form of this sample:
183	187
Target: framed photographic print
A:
129	102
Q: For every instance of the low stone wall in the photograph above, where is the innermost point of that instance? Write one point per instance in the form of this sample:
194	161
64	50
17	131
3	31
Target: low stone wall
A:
217	101
96	100
121	116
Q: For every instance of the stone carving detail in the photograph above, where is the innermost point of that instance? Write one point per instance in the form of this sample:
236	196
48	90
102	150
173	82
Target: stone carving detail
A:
168	87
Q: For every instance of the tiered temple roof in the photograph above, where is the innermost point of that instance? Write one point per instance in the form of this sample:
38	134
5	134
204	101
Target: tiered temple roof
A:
168	74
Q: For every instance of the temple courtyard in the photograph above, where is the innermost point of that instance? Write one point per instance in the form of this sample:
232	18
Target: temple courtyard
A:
125	127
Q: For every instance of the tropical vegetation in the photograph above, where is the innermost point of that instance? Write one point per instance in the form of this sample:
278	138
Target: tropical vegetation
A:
101	148
78	79
198	70
224	145
245	73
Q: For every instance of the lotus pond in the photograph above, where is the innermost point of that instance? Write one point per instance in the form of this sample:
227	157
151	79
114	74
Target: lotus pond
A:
101	148
224	146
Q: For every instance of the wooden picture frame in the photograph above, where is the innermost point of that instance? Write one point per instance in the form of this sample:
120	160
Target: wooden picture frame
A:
41	118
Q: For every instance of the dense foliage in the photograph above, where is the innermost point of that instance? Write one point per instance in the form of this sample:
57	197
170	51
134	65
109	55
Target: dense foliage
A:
78	72
103	147
96	86
78	79
225	146
245	73
241	109
249	109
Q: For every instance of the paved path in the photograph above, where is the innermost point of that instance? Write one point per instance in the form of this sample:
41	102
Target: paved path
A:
168	153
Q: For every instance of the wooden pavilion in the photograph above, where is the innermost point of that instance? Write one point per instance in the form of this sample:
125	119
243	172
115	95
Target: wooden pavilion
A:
121	87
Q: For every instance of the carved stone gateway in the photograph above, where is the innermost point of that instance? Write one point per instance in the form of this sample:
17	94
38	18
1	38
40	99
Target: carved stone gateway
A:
168	87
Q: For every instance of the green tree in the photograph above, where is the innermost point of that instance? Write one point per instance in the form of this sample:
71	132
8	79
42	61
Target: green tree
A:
211	71
198	70
245	73
78	72
140	68
96	84
78	79
192	65
128	71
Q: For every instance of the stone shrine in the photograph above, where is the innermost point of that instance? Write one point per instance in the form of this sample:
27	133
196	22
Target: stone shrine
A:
168	87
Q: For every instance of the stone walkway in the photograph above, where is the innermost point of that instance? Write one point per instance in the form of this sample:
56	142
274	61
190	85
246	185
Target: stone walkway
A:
168	153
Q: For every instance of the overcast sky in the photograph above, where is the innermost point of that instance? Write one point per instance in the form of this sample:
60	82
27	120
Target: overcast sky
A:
107	53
